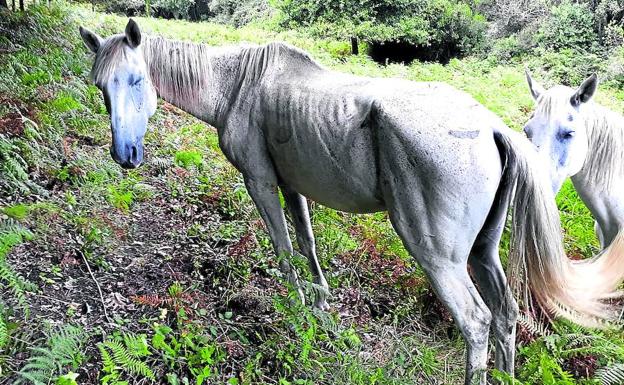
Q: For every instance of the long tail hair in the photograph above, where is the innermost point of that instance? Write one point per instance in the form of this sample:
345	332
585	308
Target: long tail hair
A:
577	290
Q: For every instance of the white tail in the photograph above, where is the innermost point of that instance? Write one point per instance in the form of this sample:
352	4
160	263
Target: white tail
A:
576	290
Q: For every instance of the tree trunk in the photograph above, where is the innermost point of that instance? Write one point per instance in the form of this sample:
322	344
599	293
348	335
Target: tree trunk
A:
21	3
3	4
354	46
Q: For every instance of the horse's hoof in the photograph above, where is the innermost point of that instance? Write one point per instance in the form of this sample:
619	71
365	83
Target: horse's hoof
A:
321	293
321	305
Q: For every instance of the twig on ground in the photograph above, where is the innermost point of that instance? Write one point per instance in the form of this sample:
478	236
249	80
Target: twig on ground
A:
99	289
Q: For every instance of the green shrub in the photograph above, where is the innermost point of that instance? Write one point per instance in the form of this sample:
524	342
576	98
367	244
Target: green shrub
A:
505	49
568	66
178	9
124	6
613	37
570	26
438	24
237	12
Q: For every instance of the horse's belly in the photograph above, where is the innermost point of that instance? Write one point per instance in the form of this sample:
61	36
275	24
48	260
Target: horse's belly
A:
343	178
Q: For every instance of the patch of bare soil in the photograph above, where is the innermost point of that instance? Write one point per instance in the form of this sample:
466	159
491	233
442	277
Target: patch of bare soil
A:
11	124
151	250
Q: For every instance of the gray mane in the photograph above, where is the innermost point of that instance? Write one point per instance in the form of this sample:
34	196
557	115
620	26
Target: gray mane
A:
180	70
605	131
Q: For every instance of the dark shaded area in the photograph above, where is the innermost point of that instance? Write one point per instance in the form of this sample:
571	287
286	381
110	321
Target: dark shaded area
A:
405	52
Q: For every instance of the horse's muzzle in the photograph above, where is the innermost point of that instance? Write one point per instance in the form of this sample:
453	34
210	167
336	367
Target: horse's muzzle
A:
130	157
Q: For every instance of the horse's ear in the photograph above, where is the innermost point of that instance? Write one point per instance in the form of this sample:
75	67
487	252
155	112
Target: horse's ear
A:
91	40
585	91
535	88
133	34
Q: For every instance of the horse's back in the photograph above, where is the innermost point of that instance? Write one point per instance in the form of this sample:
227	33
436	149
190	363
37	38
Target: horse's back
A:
331	128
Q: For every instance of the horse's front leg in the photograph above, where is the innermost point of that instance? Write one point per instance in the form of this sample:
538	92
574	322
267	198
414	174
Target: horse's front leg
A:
262	188
298	208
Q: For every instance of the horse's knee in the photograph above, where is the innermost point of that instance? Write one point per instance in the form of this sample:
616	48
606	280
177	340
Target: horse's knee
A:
477	329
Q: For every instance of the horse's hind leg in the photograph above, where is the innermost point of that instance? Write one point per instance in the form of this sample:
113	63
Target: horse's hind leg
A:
445	266
490	277
455	289
298	208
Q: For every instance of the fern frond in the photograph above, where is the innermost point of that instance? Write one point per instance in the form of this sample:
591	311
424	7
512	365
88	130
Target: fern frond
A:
534	326
137	345
161	164
63	348
4	333
12	234
124	359
612	375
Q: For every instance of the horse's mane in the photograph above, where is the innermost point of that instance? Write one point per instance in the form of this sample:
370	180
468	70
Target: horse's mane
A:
605	132
182	70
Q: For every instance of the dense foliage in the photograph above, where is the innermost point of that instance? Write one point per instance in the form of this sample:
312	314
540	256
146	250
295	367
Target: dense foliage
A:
568	39
438	25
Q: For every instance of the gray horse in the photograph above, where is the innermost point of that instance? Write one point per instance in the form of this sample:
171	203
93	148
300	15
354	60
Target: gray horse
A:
442	165
585	141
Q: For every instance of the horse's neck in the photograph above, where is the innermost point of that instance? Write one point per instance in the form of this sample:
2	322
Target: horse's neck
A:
203	86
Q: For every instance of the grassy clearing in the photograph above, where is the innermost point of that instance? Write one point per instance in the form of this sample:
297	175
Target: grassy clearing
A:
187	274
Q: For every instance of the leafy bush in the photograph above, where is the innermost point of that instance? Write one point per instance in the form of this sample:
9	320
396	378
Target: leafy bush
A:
614	73
568	66
439	24
237	12
570	26
512	16
613	37
507	48
129	7
178	9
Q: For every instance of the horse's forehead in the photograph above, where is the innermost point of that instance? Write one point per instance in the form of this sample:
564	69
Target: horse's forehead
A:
555	104
118	62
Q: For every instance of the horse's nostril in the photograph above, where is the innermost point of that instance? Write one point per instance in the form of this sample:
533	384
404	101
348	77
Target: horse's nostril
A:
135	153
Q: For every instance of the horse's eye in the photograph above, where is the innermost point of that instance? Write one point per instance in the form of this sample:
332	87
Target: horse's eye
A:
137	82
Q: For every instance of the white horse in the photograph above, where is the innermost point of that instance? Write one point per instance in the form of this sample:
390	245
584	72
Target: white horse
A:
585	141
442	165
